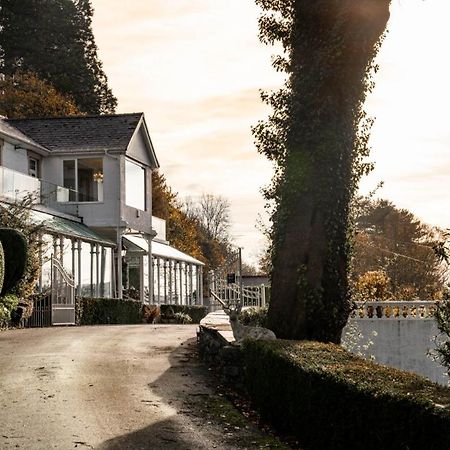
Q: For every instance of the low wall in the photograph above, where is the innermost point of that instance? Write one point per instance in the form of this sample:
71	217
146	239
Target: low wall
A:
397	338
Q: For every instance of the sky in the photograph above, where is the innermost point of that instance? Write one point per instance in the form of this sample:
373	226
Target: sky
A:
195	67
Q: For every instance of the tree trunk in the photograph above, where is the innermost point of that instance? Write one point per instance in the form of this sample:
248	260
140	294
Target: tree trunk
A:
333	45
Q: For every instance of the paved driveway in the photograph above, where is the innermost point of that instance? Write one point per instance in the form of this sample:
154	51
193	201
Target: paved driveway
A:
108	387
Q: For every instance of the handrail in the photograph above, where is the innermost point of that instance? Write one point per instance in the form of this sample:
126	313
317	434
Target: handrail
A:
67	278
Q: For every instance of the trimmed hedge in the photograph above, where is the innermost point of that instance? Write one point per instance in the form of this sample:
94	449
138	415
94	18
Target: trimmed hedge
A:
195	312
99	311
329	398
15	257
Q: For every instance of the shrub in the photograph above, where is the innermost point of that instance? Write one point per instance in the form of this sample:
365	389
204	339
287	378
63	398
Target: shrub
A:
8	304
195	312
372	285
15	254
442	316
254	317
330	398
151	313
99	311
182	318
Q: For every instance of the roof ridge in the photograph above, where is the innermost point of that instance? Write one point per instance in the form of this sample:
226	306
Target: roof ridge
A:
89	116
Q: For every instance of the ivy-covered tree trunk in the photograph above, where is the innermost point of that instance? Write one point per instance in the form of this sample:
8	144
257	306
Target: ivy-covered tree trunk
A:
330	45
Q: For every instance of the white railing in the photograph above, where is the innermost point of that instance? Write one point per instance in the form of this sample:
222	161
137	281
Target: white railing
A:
231	292
16	185
63	295
394	310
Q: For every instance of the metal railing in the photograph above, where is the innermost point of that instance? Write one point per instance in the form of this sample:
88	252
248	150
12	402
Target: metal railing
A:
42	311
63	295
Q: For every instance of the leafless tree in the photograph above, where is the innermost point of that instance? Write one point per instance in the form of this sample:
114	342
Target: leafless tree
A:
212	212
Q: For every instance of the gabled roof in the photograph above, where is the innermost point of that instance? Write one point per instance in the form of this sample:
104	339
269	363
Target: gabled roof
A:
81	133
15	135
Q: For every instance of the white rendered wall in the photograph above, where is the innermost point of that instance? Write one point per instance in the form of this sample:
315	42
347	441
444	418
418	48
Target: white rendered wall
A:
403	344
15	159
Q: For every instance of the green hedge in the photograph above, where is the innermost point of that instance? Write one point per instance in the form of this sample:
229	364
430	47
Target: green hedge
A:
329	398
99	311
195	312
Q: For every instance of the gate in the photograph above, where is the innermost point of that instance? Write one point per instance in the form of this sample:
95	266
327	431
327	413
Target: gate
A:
42	311
62	295
226	283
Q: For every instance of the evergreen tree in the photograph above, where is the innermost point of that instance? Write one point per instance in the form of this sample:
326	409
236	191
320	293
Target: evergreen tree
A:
53	38
316	138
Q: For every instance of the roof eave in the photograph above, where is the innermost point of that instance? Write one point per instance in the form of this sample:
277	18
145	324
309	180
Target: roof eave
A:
148	141
24	144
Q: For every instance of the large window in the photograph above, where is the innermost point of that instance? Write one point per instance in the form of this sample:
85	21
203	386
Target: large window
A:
83	179
134	185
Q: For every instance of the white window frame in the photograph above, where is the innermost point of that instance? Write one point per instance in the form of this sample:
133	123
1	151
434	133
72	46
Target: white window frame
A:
76	179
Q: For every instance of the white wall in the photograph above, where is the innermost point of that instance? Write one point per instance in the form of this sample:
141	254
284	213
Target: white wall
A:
403	344
137	149
106	213
15	159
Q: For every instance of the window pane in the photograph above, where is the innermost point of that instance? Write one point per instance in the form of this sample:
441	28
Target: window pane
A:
90	180
70	179
134	185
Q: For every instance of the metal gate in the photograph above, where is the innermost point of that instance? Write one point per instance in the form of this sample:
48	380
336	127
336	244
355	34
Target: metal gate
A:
63	295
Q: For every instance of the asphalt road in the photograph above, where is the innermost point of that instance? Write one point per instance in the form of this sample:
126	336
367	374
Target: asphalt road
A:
106	387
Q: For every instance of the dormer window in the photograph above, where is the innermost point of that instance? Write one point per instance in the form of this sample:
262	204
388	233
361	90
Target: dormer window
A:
83	178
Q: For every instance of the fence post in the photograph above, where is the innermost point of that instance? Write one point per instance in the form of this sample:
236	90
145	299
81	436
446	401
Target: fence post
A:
263	296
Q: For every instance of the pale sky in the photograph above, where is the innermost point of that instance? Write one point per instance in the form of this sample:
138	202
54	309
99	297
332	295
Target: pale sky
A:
195	67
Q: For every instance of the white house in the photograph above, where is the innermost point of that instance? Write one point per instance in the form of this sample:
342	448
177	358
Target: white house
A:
92	178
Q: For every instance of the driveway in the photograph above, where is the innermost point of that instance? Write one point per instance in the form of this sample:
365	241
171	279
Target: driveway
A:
113	387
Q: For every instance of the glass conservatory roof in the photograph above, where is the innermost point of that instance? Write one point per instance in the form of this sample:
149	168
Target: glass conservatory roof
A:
68	228
162	250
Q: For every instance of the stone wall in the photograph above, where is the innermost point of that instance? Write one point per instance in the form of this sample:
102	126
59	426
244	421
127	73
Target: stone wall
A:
216	350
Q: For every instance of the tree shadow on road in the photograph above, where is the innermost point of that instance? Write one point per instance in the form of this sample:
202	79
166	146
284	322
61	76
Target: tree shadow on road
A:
186	377
204	419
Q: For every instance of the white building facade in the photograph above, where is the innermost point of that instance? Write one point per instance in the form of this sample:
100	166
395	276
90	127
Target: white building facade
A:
91	177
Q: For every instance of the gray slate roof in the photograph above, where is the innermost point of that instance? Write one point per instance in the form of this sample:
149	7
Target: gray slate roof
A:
8	130
81	133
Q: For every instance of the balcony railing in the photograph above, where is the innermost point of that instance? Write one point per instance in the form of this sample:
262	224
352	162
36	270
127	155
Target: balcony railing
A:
16	185
59	198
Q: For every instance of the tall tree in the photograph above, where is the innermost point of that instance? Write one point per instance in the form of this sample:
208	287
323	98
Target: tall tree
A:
186	229
54	39
394	241
24	95
317	137
212	212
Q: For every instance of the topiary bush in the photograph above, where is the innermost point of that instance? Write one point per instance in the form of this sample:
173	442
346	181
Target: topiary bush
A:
332	399
15	254
2	266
